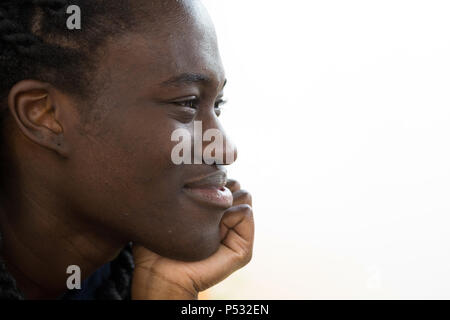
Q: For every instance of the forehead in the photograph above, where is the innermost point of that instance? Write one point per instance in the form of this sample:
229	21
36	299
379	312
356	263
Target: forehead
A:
177	43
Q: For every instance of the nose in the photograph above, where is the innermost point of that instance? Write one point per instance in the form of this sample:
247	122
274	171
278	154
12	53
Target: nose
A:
217	146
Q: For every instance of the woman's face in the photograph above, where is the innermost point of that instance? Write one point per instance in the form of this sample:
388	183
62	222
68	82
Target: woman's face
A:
122	176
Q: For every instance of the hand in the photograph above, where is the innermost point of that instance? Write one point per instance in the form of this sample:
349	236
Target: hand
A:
157	277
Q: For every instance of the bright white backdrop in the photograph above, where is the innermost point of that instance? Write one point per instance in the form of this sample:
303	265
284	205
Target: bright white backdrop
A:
341	113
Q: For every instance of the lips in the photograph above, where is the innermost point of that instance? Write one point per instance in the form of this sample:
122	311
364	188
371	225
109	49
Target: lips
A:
210	190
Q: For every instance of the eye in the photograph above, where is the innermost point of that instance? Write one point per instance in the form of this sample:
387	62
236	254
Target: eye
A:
190	102
218	105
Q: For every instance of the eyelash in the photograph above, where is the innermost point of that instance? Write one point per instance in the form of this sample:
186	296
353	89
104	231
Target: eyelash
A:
193	103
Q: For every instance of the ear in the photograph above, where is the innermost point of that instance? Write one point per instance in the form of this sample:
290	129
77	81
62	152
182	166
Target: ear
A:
34	107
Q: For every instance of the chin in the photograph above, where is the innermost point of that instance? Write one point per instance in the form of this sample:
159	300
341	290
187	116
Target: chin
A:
198	254
194	249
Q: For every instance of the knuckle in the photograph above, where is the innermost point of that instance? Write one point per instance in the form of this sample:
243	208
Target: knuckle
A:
246	208
249	257
234	184
245	196
246	256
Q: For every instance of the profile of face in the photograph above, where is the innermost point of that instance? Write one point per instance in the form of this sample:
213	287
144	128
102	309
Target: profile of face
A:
117	174
123	175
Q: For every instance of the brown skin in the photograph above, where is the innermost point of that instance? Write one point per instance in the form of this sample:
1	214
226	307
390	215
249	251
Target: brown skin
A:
77	190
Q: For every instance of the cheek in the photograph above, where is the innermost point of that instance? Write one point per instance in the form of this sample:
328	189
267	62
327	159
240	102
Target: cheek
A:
120	168
148	154
147	178
129	174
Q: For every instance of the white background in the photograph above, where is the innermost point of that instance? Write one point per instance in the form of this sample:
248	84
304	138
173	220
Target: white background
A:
341	113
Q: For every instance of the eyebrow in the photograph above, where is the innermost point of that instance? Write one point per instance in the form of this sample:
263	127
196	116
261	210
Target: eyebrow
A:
188	78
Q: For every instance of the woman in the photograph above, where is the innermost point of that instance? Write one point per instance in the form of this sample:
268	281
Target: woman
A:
87	174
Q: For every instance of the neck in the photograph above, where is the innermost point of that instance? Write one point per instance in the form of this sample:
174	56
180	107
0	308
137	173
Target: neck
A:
41	239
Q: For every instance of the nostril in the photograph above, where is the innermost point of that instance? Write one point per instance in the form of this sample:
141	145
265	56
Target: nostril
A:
230	152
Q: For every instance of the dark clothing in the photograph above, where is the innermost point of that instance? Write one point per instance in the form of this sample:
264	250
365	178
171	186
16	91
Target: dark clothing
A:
89	285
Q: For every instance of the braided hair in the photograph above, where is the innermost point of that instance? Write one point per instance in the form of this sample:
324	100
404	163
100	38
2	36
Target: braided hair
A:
36	44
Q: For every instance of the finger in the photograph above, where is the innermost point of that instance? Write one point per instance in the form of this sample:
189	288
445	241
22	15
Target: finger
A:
242	197
233	185
239	228
220	265
236	249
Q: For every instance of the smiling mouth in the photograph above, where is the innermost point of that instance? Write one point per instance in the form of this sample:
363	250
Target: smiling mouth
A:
210	190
